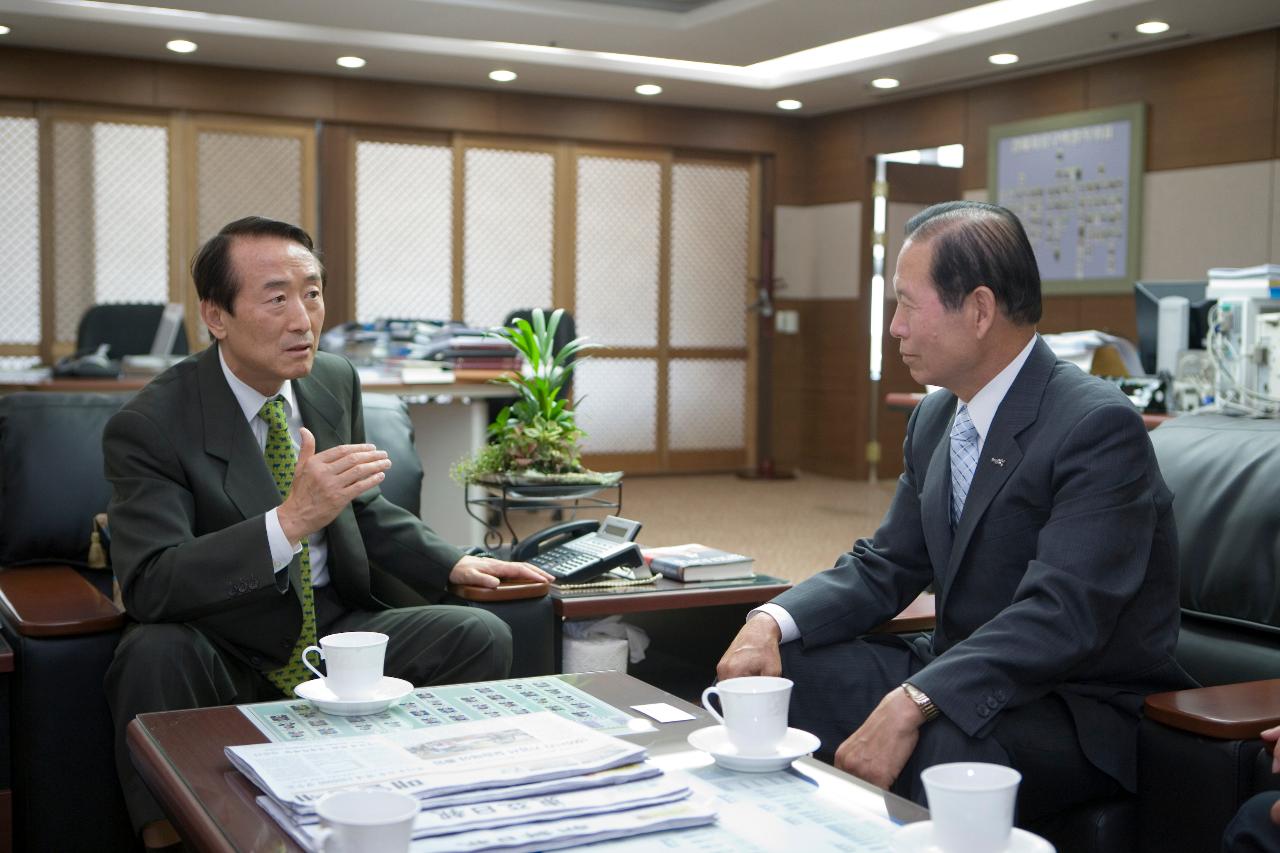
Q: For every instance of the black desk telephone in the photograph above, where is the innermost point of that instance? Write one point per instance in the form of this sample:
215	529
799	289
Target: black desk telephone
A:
578	551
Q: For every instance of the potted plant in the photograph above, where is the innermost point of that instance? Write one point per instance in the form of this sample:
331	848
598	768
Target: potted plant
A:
535	439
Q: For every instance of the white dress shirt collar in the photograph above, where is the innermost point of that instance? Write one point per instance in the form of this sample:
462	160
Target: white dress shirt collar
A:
250	399
985	404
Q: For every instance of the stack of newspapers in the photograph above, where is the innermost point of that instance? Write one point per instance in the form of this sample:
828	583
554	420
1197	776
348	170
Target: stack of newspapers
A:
532	782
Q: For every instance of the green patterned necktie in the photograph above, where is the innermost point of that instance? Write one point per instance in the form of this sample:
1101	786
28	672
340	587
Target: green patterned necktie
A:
282	460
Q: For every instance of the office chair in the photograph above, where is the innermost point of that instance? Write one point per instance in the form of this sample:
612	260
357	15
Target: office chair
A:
127	328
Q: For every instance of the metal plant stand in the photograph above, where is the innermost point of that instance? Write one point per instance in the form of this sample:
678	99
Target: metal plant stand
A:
493	505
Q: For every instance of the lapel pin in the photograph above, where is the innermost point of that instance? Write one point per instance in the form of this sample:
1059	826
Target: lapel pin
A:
998	461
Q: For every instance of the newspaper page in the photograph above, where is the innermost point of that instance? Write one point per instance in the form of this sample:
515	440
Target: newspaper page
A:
428	707
433	820
541	835
432	762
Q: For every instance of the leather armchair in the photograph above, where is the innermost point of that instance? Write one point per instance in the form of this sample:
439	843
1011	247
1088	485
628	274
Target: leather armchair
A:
1199	753
58	615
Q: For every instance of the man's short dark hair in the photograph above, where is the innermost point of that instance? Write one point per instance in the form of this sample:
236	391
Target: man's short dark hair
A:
975	243
211	267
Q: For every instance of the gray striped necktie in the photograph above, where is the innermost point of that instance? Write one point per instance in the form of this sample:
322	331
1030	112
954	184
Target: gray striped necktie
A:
964	459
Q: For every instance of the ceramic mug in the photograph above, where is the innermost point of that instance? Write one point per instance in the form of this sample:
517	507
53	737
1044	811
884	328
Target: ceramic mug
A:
755	711
370	821
353	662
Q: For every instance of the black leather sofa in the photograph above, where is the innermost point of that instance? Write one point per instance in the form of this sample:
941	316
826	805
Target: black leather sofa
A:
58	615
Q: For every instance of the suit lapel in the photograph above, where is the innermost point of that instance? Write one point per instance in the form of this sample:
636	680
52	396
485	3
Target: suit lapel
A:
935	509
227	436
1001	452
321	412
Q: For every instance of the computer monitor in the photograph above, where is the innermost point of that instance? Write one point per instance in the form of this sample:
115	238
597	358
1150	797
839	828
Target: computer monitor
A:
165	341
1147	295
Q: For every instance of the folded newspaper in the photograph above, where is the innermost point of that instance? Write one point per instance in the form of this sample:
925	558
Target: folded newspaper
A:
480	754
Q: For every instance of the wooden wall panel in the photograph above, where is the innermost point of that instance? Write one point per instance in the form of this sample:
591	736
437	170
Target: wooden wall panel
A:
1208	103
336	240
241	90
415	105
681	127
924	122
1017	100
1061	314
837	163
1117	315
45	75
570	118
792	163
787	390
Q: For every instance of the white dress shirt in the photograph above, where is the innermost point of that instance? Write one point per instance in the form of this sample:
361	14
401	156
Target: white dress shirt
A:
282	550
982	409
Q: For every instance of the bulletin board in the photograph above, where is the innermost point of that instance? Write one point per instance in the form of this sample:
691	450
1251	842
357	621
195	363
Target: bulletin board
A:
1075	181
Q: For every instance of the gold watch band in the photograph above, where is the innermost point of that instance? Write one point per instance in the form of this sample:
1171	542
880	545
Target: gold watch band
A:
923	702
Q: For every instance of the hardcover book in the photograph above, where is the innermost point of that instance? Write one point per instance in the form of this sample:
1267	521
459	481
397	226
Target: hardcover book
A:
694	562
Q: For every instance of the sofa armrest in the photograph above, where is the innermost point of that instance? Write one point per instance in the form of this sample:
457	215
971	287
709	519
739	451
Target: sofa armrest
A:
55	601
505	591
919	615
1226	712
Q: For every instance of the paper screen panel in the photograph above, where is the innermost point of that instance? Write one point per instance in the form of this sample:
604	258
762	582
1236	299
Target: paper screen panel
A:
72	225
244	174
130	213
709	240
706	404
404	231
619	218
20	231
508	233
18	362
618	404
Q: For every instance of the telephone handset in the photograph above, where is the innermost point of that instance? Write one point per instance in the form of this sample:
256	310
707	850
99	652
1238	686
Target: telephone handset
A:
578	551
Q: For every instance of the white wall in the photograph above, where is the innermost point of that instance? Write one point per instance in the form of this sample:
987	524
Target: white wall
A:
819	250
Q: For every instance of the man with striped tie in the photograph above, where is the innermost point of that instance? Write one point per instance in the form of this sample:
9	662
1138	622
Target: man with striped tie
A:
246	517
1032	502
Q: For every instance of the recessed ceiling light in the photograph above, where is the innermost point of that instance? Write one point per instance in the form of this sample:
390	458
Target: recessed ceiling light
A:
4	31
351	61
502	75
789	104
1002	58
1152	28
648	89
181	46
885	83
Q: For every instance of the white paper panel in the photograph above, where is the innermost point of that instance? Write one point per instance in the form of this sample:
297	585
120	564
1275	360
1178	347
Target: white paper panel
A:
707	404
72	225
243	174
20	231
618	404
131	213
709	240
617	250
404	231
508	233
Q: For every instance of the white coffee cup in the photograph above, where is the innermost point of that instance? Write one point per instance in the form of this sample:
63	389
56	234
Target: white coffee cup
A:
371	821
755	711
352	660
971	804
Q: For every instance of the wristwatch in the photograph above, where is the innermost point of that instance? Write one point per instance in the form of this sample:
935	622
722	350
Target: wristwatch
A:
923	702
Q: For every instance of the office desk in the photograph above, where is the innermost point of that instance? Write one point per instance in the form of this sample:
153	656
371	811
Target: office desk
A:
449	420
180	755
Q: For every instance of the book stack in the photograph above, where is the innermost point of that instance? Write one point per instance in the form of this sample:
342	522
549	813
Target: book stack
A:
529	782
694	562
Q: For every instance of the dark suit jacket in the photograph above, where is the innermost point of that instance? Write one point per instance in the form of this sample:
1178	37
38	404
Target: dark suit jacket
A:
190	493
1060	576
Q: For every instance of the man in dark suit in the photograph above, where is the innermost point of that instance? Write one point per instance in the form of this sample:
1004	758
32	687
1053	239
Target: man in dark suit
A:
229	567
1256	826
1032	502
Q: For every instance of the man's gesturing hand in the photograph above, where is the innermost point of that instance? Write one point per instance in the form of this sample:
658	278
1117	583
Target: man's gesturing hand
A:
754	651
325	482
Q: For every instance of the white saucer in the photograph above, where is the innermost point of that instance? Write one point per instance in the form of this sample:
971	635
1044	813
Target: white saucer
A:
715	740
918	838
387	691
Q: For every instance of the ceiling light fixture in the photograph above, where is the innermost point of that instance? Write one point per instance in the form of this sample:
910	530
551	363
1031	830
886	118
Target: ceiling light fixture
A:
1002	58
648	89
181	46
351	62
502	75
789	104
1152	28
4	31
886	83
